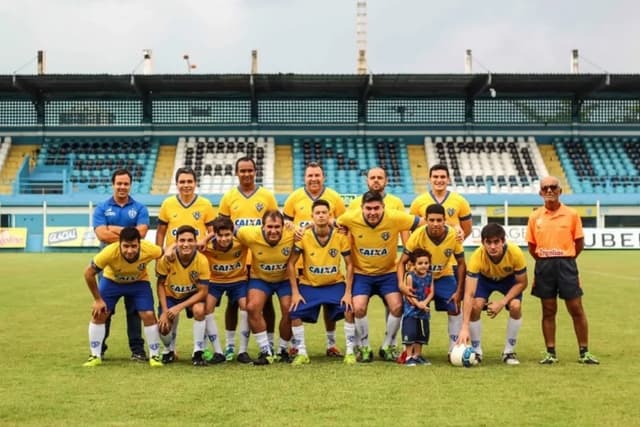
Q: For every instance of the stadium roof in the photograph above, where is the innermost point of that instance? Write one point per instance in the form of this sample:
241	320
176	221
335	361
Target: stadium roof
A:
323	85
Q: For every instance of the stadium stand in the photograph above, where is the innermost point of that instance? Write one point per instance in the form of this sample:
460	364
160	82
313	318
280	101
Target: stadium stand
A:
487	164
213	159
5	145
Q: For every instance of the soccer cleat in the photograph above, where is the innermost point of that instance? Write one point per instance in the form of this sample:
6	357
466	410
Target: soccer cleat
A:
283	356
411	362
264	359
509	359
424	361
349	359
198	360
207	355
402	358
217	358
168	358
244	358
366	355
229	353
389	353
92	361
334	351
155	361
293	352
479	358
548	358
588	359
301	359
139	357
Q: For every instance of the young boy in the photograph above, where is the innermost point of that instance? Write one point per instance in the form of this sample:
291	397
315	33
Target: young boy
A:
415	322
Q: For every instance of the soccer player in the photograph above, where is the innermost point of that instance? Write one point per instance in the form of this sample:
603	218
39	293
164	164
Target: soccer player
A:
228	260
182	284
457	209
555	239
441	241
124	266
494	266
415	320
109	218
245	205
375	231
270	246
297	209
185	208
322	282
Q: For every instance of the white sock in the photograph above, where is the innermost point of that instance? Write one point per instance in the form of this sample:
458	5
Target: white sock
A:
96	336
362	329
231	338
243	323
356	337
331	339
211	329
271	337
263	342
298	339
350	336
199	327
153	339
454	323
393	324
513	328
284	345
166	341
475	330
174	334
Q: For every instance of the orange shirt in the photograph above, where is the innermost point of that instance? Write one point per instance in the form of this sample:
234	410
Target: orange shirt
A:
554	232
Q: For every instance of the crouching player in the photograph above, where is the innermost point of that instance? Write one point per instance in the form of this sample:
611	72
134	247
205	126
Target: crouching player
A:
415	320
494	266
183	279
124	273
321	283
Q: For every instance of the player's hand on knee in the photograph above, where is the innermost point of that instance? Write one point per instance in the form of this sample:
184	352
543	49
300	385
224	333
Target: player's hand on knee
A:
494	308
99	309
173	312
347	301
296	299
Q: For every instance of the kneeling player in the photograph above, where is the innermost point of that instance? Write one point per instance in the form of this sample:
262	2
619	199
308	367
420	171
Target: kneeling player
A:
124	266
183	278
321	282
494	266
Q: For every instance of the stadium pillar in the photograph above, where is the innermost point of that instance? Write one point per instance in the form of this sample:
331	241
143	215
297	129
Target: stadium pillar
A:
468	110
576	108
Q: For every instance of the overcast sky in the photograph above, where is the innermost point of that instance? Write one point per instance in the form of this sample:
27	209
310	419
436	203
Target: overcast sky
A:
304	36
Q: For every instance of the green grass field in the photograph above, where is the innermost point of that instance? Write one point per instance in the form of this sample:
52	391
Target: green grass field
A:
45	309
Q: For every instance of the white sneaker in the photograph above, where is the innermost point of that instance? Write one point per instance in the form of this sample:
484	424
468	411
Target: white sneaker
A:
510	359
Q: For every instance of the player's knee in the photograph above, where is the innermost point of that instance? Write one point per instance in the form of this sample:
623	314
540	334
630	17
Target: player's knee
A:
100	318
165	328
360	310
198	311
147	317
515	309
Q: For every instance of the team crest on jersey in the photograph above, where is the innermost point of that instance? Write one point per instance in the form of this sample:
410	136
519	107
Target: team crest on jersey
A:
194	276
236	254
196	215
451	211
508	269
132	213
259	206
286	251
385	236
448	252
333	252
142	266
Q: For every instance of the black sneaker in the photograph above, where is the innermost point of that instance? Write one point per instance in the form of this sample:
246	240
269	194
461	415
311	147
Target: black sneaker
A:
218	358
169	357
244	358
198	360
139	357
283	356
264	359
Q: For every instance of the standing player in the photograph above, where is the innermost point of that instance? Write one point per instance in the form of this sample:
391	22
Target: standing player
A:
297	209
270	246
555	238
109	218
441	241
245	205
182	285
321	283
228	261
494	266
124	267
185	208
375	231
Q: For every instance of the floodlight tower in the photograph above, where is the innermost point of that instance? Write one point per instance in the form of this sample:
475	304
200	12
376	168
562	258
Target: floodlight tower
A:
361	36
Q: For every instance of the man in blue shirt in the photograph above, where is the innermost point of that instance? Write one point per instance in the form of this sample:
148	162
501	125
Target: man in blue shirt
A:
109	218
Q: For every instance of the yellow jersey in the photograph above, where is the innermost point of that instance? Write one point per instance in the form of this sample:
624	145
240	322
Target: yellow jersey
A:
118	269
247	210
390	202
268	263
198	214
456	207
375	248
512	262
182	280
321	262
227	266
297	207
443	251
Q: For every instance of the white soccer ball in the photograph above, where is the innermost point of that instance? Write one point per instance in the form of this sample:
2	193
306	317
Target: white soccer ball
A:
463	355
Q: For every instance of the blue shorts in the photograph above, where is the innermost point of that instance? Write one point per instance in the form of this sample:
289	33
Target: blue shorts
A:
415	330
234	291
173	302
487	286
317	296
375	285
445	287
140	292
282	289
